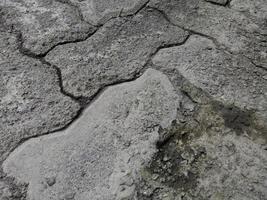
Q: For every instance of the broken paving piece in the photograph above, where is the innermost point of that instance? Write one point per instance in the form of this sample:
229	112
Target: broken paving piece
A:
115	53
100	155
228	78
99	11
231	29
31	103
45	23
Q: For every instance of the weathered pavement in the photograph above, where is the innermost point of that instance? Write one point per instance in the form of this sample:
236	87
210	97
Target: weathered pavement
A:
133	99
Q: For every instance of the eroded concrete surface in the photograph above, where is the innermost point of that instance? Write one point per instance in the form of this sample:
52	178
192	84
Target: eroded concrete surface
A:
136	100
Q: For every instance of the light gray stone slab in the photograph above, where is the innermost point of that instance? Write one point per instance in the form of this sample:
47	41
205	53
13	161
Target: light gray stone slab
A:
100	155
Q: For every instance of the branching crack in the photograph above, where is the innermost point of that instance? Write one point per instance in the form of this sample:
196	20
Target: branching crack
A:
85	102
218	45
32	54
190	31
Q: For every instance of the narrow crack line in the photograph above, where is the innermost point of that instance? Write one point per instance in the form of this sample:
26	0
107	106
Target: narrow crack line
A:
218	4
165	16
60	83
23	140
165	46
98	27
33	55
140	9
185	93
43	61
192	32
253	63
228	3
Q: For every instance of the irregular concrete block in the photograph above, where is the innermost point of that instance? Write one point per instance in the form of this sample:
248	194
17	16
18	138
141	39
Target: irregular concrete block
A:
235	31
31	103
99	11
100	155
45	23
115	53
228	78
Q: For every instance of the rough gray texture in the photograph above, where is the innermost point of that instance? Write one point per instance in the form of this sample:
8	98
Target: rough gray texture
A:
205	159
230	179
45	23
216	151
100	155
31	103
99	11
117	52
232	79
256	9
235	31
77	123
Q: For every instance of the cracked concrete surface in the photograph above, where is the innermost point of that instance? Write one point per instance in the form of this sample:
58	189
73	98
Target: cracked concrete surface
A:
116	52
137	100
233	31
200	62
99	156
31	103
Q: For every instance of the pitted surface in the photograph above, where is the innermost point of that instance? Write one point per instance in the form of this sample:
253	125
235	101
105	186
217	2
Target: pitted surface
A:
117	52
133	99
100	155
45	23
99	11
